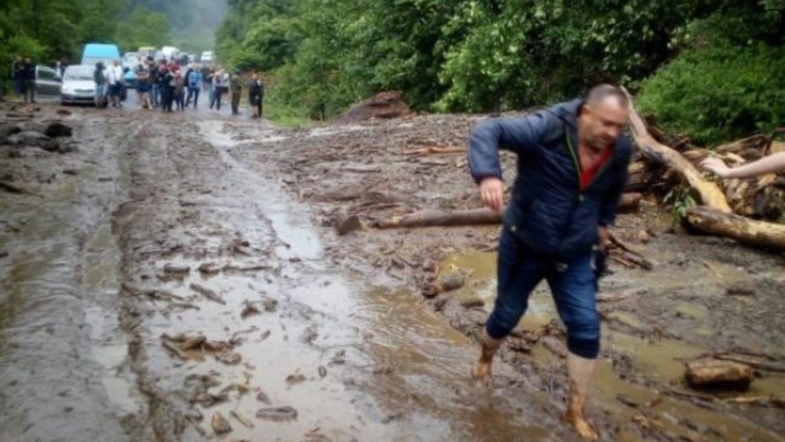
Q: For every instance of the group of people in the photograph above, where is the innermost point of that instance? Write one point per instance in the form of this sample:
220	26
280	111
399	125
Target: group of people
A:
23	76
169	86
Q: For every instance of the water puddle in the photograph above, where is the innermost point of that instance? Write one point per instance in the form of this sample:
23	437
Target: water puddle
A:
659	360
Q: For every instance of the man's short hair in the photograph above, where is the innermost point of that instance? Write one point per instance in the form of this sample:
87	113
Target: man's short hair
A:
599	93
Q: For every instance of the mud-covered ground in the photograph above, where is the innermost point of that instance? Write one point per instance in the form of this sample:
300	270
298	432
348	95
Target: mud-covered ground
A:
177	277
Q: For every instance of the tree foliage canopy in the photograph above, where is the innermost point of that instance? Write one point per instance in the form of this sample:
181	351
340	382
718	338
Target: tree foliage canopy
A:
472	55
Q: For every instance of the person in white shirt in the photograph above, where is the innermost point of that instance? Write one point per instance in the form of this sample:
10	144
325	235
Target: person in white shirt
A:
115	80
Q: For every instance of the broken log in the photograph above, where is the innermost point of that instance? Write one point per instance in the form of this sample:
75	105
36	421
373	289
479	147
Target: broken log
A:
432	150
709	193
713	373
630	202
744	230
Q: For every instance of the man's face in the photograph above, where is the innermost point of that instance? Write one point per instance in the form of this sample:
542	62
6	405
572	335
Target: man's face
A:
602	123
27	60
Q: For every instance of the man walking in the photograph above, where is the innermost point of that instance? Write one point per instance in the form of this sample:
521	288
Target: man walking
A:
572	167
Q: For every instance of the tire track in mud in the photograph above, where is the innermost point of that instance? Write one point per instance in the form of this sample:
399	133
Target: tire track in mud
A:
61	351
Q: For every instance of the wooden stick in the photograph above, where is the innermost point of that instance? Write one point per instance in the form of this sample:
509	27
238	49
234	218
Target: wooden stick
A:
710	194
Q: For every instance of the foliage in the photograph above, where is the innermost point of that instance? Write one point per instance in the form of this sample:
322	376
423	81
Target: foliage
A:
494	55
143	28
680	202
719	93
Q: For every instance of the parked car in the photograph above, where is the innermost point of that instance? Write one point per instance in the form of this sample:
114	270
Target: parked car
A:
47	84
78	85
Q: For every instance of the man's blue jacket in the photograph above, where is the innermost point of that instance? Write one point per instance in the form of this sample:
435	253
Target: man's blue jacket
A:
548	212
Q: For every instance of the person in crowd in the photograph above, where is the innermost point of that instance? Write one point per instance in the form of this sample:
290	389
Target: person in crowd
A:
256	95
217	89
206	79
115	78
29	79
18	76
194	86
166	84
236	88
142	73
179	90
99	76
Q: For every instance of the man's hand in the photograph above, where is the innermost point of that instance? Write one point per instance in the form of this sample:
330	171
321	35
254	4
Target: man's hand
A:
492	193
716	166
605	240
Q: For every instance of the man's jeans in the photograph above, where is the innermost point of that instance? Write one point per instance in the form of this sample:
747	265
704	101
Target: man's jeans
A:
572	285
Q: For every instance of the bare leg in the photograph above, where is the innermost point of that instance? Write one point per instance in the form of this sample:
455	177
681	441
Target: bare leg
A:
489	347
580	371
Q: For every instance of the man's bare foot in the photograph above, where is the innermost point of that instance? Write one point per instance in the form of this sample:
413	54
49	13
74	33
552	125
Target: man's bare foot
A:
482	372
574	417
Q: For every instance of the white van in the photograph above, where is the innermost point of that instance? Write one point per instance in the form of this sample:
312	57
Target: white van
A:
170	52
207	57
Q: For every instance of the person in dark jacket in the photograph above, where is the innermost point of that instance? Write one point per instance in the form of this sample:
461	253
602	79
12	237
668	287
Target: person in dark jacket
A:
18	73
256	95
572	167
29	75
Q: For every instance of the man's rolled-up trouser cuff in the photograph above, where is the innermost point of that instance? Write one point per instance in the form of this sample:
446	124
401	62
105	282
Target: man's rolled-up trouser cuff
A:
585	348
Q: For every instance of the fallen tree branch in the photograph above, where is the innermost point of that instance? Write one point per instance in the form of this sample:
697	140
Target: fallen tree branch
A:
744	230
432	150
709	193
475	217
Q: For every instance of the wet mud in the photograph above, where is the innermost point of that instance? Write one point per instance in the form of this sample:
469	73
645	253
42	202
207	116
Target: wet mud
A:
179	278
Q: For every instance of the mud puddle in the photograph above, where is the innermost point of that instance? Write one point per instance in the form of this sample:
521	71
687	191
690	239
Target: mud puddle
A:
635	393
356	362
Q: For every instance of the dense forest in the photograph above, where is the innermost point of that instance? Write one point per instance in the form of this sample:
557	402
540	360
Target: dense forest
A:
49	30
709	68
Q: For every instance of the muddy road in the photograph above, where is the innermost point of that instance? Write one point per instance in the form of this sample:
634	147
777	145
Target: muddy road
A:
177	278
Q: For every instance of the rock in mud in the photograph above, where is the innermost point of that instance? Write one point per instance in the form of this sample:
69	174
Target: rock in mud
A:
229	357
449	281
34	139
250	310
210	268
261	396
322	371
345	223
277	414
58	129
270	305
713	373
473	303
176	269
63	112
220	424
385	105
240	418
294	379
6	130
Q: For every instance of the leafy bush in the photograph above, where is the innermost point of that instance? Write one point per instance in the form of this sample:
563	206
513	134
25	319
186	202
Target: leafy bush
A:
717	93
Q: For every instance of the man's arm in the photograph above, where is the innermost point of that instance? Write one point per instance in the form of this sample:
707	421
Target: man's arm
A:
770	164
519	135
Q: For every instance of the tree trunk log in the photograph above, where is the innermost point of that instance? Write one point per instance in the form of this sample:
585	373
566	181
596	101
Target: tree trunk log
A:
709	193
711	373
744	230
630	202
